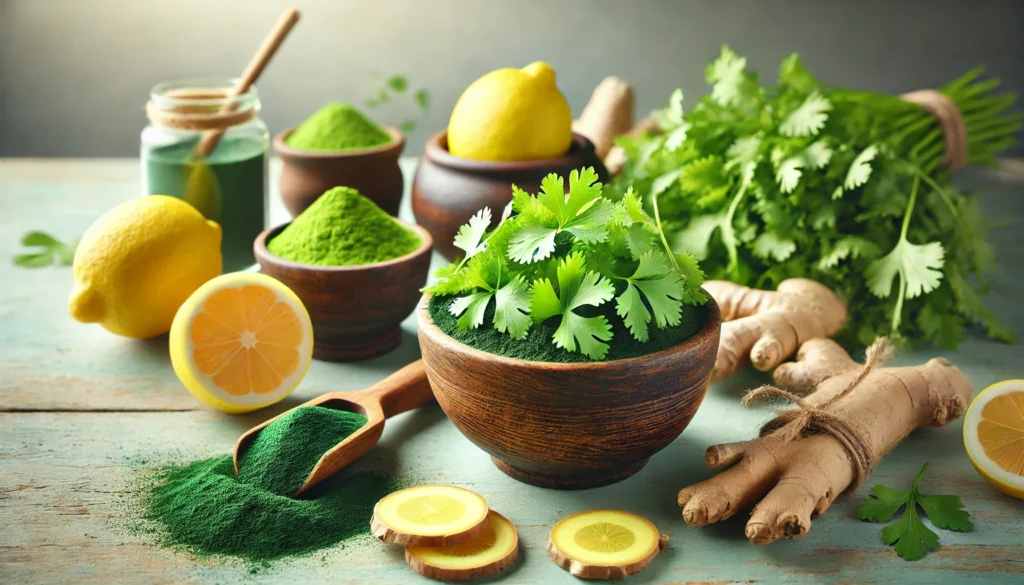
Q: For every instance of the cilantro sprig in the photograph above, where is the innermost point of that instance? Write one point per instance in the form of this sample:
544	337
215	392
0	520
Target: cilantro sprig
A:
559	255
909	535
799	178
45	250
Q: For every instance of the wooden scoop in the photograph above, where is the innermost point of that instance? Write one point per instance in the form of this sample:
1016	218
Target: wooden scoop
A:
402	391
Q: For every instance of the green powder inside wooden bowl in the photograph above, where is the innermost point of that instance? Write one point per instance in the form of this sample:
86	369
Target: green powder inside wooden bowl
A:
343	228
337	127
537	346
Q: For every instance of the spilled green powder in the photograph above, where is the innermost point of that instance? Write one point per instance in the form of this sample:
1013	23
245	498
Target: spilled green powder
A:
343	228
277	461
337	126
538	347
204	508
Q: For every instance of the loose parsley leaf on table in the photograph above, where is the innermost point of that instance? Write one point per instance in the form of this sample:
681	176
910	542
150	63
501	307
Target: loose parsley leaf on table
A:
48	251
912	539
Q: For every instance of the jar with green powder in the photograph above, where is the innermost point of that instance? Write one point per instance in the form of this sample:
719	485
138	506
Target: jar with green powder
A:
229	185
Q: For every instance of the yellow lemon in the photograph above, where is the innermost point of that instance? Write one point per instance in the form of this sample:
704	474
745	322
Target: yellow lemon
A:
994	436
511	115
139	262
241	342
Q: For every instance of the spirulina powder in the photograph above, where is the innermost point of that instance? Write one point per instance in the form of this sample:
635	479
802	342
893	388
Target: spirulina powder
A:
202	507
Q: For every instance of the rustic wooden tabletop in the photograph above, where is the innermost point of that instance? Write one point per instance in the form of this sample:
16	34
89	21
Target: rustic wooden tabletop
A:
81	410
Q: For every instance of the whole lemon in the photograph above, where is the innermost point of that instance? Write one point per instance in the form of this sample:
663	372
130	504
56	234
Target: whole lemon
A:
511	115
139	262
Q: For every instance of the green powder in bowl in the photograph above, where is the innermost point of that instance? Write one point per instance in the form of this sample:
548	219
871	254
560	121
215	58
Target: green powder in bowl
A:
337	127
343	228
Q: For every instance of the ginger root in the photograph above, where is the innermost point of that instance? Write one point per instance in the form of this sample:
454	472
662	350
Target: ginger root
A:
764	327
608	114
794	480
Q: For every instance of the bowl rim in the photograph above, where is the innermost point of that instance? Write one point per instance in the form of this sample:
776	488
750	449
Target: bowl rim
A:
436	149
281	147
426	326
263	253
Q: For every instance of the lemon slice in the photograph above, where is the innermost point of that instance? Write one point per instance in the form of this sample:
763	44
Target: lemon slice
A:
605	544
242	341
429	515
490	552
994	436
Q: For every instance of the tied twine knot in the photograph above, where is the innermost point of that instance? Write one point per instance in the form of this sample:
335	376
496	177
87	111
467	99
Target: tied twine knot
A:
954	131
808	419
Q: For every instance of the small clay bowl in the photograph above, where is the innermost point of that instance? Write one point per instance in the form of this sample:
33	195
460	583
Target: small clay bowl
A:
374	172
575	425
447	190
356	311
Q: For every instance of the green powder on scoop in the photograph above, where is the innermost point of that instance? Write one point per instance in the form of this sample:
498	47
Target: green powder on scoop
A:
281	456
343	228
204	508
337	126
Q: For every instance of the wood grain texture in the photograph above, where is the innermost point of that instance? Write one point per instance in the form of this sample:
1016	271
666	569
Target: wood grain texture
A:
569	426
448	190
374	172
65	476
356	310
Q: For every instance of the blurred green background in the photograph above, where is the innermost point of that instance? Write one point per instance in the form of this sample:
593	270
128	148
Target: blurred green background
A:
75	74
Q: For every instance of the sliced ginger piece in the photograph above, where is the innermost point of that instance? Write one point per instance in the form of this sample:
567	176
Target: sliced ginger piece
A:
490	552
429	515
605	544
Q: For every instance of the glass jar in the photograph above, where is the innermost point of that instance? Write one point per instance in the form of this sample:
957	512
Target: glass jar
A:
210	148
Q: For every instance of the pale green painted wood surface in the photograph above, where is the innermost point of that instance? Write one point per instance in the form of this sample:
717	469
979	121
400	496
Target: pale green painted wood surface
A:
79	408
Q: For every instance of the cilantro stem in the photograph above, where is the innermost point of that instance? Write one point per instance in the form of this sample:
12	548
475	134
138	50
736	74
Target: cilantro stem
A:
728	235
942	192
661	234
897	314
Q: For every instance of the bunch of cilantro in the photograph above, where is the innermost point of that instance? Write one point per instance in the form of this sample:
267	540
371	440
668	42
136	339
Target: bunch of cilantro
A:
556	255
844	187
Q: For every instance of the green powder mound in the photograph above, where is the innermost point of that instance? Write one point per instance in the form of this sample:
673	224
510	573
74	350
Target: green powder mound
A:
343	228
201	507
538	347
281	456
337	126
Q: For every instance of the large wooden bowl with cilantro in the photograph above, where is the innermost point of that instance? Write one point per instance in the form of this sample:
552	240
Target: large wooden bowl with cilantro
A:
571	342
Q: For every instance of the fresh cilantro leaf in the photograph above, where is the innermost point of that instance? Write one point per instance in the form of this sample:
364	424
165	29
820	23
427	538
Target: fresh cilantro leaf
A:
398	83
664	182
45	250
583	213
919	269
660	287
788	174
512	308
727	74
742	151
422	98
808	119
696	237
793	74
860	170
942	327
577	287
770	245
471	308
470	238
912	539
848	247
817	154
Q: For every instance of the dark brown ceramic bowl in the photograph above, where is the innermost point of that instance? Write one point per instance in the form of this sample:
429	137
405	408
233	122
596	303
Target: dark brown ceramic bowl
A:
448	190
356	311
569	426
374	172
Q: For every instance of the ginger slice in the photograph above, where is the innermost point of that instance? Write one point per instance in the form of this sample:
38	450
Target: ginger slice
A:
429	515
793	481
765	327
605	544
490	552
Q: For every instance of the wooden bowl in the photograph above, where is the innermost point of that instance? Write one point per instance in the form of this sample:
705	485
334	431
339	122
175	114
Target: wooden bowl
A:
356	311
374	172
569	426
448	190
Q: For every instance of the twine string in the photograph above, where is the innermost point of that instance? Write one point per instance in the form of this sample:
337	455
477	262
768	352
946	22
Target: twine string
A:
807	419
